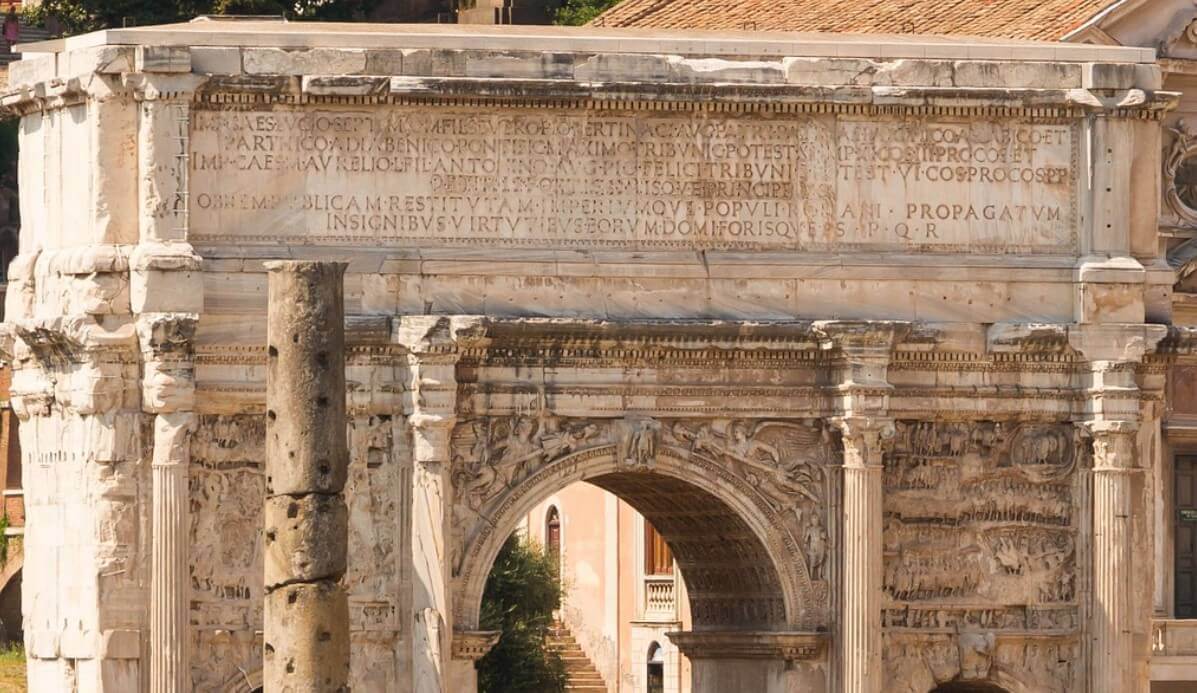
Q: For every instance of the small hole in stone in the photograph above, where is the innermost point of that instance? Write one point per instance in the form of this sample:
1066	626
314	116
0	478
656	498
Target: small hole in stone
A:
290	666
292	598
272	352
270	536
291	454
295	338
270	415
324	467
325	636
269	649
322	402
293	510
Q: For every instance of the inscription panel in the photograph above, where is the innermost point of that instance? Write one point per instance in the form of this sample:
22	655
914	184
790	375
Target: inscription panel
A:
570	178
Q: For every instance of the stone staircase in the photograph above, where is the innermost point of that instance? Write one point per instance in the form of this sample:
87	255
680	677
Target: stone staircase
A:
578	667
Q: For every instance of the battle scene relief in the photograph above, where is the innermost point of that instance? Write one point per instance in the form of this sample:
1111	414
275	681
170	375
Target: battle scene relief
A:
981	539
227	489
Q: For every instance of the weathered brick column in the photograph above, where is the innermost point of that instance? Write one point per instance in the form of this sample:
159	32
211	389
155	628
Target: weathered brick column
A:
307	463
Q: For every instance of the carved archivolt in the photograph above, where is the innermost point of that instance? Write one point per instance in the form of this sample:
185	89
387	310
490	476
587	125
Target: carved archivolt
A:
779	467
1180	189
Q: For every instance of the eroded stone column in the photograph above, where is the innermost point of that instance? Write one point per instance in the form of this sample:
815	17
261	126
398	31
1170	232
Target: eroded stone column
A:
170	579
307	463
1113	639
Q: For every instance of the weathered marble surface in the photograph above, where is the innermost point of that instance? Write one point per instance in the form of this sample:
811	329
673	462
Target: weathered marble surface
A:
888	315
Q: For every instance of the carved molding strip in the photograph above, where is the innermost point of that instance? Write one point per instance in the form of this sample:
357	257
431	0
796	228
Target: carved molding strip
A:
748	644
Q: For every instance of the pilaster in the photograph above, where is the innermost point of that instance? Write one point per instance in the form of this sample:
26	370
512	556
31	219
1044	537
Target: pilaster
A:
1112	666
432	345
1119	620
166	296
860	355
168	393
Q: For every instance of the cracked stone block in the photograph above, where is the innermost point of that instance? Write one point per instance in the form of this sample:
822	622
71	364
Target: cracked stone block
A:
305	538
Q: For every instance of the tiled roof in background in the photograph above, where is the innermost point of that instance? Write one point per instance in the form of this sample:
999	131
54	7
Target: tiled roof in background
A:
1047	20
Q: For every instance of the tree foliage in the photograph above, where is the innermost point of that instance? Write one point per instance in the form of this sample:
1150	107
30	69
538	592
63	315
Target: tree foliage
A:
77	16
578	12
521	594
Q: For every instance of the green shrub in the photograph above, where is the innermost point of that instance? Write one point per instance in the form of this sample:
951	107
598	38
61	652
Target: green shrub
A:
579	12
521	594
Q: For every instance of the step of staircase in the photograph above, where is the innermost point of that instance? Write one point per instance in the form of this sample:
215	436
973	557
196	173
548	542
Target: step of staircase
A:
581	674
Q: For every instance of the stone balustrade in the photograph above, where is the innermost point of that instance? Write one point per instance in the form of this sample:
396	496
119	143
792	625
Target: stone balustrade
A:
660	598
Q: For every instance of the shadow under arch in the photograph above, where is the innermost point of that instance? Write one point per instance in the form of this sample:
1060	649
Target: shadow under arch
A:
743	569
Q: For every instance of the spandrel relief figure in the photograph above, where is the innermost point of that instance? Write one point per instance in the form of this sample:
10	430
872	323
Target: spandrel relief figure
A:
637	441
814	539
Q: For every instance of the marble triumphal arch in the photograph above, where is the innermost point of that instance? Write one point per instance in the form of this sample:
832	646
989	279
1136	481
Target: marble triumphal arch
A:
874	331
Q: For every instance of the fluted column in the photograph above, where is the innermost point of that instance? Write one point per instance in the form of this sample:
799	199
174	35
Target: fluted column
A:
1112	621
1120	565
861	571
859	357
166	294
168	390
169	580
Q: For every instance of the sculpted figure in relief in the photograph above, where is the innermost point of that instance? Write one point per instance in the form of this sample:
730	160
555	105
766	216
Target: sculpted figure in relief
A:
783	460
981	513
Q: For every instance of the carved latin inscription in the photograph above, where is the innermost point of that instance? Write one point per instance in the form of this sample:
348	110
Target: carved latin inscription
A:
578	178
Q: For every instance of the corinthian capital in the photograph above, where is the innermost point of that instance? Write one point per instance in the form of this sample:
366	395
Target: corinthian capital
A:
864	438
167	346
1115	444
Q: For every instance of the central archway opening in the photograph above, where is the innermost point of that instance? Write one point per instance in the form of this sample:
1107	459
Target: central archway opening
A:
730	579
611	537
740	506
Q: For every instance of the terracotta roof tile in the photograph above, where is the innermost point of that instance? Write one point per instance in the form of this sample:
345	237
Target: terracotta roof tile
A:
1048	20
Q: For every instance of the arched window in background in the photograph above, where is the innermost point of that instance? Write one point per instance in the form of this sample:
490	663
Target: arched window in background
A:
552	533
655	676
658	559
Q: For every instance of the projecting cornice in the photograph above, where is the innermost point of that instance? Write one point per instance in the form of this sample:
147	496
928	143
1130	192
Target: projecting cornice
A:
255	62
